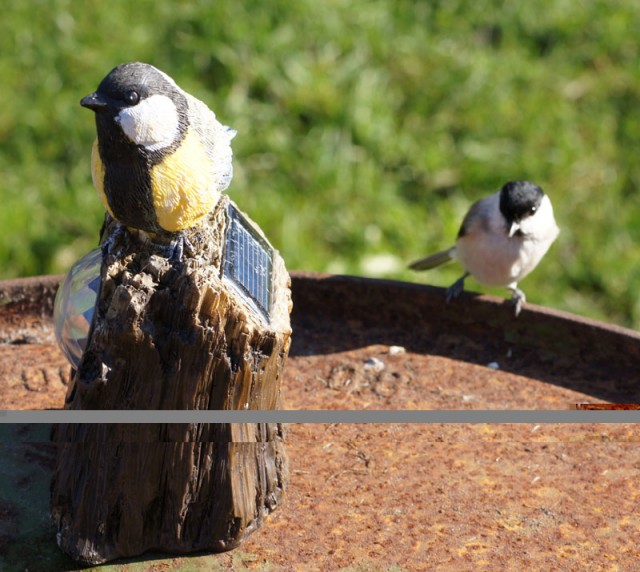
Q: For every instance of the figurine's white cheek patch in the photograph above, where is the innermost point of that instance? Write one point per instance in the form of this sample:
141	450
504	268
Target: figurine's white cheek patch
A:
152	123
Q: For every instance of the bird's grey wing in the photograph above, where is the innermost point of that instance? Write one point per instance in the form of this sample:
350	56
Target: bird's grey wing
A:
216	139
478	215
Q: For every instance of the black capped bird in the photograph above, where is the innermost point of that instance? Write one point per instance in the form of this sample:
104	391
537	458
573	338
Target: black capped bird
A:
503	237
161	158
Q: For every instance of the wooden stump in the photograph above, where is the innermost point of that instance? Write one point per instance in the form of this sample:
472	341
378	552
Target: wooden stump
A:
121	490
173	335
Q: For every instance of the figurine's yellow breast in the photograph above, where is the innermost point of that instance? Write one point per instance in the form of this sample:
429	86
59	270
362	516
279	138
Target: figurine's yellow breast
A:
183	185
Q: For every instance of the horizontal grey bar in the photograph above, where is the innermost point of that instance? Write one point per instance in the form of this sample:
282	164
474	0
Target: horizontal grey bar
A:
321	416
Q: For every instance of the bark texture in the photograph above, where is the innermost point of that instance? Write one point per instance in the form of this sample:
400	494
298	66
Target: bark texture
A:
172	335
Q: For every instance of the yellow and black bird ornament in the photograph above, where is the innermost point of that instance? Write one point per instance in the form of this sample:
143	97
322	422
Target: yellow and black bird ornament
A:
161	158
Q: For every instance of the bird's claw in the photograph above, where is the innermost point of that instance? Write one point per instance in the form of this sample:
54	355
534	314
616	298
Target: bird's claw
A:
456	288
109	242
518	299
177	247
174	251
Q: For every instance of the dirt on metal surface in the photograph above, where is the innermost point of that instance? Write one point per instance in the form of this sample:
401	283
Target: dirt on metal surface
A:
387	497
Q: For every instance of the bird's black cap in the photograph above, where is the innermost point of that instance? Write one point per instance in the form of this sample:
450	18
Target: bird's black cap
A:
127	84
519	199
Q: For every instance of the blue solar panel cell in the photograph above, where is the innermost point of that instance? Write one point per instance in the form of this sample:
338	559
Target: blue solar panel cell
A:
248	262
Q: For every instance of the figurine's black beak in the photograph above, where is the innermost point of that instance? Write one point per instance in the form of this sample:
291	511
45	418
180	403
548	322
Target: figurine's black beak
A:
94	101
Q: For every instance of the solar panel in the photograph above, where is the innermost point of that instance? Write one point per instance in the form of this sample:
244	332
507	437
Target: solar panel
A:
248	262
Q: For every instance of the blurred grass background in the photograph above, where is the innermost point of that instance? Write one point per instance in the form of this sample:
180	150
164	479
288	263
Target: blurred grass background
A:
365	128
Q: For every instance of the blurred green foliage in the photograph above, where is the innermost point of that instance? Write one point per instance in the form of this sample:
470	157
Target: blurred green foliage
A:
365	128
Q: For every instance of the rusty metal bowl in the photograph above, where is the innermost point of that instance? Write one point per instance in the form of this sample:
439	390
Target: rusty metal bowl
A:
413	497
551	359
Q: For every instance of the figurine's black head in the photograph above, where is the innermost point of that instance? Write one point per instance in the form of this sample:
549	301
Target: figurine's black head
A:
139	109
128	84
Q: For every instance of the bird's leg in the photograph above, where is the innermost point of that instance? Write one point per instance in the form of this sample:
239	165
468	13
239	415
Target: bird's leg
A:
456	288
108	219
177	247
108	243
517	299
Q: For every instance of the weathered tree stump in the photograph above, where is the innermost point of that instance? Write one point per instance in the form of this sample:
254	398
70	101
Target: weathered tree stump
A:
175	335
121	490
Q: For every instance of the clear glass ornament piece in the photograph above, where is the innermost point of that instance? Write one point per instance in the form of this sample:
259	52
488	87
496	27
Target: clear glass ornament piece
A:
74	305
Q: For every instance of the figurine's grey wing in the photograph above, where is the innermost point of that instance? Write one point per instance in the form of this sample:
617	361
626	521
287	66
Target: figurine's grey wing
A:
216	139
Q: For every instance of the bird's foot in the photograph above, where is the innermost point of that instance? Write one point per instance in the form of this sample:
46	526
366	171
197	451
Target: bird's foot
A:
180	244
518	299
456	288
108	245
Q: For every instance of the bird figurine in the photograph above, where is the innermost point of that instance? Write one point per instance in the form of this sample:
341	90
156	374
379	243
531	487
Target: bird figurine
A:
161	158
503	237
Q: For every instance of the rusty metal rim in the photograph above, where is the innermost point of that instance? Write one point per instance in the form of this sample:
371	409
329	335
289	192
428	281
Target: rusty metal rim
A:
336	316
24	289
472	299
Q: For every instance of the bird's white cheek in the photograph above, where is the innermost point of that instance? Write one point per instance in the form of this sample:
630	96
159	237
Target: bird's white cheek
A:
152	123
542	224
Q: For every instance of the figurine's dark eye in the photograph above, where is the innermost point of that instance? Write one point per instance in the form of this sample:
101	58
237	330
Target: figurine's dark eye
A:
132	97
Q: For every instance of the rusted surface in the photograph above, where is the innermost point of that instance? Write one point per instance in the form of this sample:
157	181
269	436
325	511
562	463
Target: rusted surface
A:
545	359
401	497
362	343
396	497
33	372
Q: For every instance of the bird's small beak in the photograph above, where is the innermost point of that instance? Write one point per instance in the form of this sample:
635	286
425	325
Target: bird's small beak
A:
515	227
94	101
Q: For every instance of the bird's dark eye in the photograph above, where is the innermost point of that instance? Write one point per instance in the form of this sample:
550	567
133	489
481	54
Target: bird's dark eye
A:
532	210
132	97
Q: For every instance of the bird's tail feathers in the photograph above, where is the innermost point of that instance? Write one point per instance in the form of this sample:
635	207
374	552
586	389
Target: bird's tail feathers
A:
434	260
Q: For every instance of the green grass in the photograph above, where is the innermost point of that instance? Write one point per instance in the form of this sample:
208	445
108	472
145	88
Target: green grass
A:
365	129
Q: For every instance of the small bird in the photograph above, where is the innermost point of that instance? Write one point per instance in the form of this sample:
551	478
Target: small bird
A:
161	158
503	237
